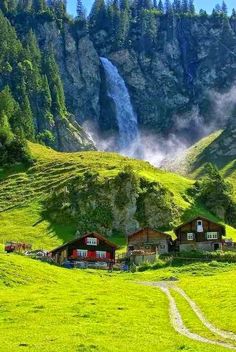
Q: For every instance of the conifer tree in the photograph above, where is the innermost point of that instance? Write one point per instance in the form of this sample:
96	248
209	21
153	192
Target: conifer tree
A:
224	8
218	9
55	85
24	5
124	5
168	6
160	6
38	6
177	6
184	6
80	10
98	16
191	7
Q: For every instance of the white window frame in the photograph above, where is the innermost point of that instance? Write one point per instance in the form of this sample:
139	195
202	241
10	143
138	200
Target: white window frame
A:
190	236
83	253
200	226
101	254
212	236
92	241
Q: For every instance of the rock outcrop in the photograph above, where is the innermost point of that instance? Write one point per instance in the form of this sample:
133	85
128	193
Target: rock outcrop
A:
123	203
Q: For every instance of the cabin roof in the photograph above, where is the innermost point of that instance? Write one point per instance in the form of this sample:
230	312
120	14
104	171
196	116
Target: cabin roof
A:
199	218
95	234
148	228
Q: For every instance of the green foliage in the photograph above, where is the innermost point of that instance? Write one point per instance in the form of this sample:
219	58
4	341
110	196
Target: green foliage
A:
126	183
216	194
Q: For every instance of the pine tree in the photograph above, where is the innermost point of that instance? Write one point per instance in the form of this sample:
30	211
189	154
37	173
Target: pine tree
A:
224	8
155	4
81	14
191	7
124	5
26	113
24	5
168	6
177	6
218	8
55	85
233	13
123	28
12	5
98	16
4	6
38	6
184	6
160	6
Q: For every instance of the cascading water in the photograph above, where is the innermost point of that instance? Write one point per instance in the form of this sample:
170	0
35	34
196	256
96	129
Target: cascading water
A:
125	115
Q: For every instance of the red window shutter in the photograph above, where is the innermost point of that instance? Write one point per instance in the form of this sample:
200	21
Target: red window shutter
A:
85	240
108	255
74	253
97	241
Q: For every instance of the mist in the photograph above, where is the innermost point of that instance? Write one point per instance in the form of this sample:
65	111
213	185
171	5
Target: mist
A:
188	128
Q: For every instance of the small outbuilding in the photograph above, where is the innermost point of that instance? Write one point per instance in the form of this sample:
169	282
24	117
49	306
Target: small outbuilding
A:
149	241
201	234
90	250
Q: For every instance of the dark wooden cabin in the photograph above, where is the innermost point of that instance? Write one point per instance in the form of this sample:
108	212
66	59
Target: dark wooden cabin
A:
200	234
149	241
91	250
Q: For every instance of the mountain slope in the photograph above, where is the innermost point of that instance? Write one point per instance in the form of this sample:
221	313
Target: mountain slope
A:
218	148
61	193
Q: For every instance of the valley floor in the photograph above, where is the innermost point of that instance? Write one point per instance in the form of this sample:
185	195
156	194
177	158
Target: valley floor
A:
46	308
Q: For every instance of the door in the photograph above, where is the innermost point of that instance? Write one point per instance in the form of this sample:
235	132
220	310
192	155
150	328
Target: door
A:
216	246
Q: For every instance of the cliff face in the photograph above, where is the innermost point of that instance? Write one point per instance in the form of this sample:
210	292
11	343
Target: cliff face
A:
79	66
171	86
171	82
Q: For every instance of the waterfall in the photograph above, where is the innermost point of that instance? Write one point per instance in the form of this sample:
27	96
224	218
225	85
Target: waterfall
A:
125	115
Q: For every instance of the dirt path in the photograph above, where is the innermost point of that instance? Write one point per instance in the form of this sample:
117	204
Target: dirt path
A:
176	318
201	316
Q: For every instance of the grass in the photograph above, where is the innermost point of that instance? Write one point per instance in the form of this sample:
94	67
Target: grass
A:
53	309
22	191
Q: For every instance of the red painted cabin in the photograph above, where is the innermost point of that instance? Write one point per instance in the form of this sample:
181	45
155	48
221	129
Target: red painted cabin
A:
91	250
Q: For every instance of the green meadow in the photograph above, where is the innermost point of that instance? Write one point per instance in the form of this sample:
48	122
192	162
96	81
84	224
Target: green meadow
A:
23	191
47	308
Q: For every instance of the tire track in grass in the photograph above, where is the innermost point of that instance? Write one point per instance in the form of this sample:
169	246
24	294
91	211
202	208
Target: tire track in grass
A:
176	318
203	319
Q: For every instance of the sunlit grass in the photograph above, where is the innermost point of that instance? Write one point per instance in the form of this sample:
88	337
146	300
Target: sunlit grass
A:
46	308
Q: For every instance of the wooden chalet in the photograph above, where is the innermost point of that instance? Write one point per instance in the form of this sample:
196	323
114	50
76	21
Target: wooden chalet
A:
90	250
201	234
149	241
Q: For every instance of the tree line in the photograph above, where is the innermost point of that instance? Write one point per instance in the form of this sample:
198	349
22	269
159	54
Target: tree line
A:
31	93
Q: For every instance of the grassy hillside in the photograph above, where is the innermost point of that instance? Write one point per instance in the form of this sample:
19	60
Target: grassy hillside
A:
217	148
46	308
23	192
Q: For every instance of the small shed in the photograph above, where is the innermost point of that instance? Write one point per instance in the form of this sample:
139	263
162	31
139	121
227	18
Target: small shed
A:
149	241
201	234
90	250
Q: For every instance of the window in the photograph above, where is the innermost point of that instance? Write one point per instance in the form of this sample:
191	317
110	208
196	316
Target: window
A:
190	236
199	226
82	253
212	235
91	241
101	254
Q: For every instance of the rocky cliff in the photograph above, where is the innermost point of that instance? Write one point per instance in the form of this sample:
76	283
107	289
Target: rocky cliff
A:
172	81
172	86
